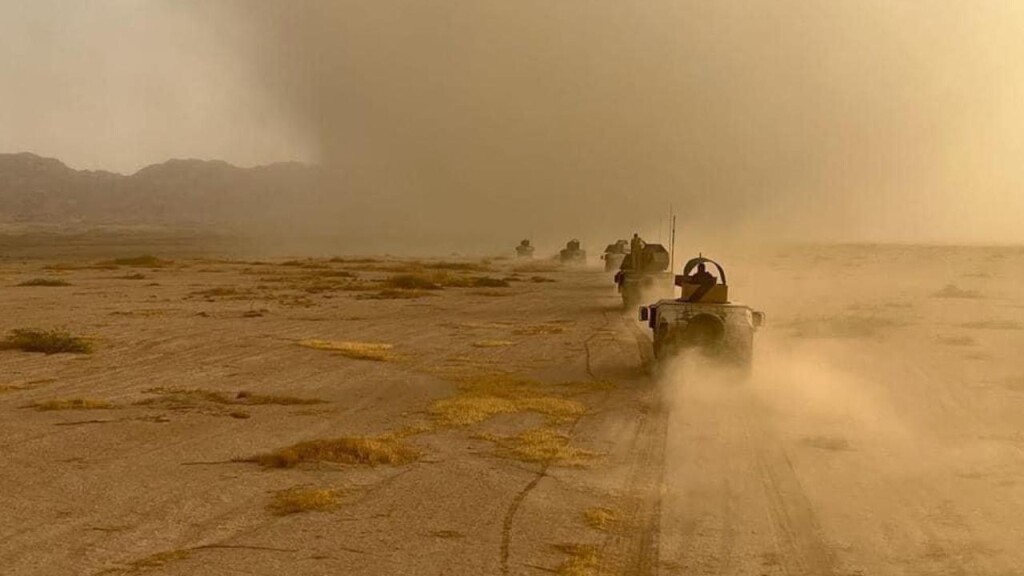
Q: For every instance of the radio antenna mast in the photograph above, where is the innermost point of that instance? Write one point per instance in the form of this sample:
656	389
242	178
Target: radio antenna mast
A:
672	239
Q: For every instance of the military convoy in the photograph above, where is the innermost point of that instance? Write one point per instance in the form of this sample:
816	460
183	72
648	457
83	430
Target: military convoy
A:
703	317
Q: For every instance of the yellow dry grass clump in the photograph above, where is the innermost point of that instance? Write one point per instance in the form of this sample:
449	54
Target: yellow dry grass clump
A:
493	343
482	397
357	350
299	499
600	518
353	450
72	404
582	561
45	341
541	445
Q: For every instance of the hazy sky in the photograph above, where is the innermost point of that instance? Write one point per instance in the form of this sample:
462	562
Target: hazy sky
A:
119	84
874	119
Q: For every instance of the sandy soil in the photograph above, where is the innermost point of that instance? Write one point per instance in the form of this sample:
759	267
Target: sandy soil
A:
879	434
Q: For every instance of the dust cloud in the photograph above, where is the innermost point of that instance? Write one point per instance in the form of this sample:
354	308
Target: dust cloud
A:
803	395
878	428
767	120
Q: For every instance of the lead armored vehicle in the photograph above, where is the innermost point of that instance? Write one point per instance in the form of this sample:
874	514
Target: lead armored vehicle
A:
644	274
572	253
703	317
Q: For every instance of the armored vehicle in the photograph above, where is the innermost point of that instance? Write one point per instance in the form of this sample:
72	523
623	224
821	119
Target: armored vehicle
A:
572	253
703	317
644	273
524	250
614	254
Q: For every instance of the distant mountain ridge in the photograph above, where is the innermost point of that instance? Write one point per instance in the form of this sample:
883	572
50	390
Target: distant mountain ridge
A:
178	192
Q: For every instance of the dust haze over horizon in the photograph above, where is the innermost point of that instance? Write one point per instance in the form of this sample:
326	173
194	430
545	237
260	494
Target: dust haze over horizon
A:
494	120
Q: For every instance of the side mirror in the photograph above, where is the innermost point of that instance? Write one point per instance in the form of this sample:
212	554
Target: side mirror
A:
645	314
758	318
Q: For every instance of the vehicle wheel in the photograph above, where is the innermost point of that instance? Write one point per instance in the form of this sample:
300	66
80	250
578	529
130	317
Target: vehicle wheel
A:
660	339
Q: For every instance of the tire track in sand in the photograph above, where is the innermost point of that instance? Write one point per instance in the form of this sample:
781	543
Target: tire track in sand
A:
634	551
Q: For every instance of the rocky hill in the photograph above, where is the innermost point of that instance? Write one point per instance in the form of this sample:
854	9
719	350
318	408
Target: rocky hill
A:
176	193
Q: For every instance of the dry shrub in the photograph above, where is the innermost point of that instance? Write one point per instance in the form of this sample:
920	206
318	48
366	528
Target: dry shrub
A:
191	397
71	404
45	282
542	445
274	400
299	499
412	282
136	276
352	450
11	388
394	295
446	280
357	350
482	266
539	329
63	267
541	279
141	313
45	341
222	292
320	287
182	398
442	279
332	274
537	266
488	282
479	398
447	534
600	518
583	560
492	293
145	261
493	343
308	264
275	279
339	260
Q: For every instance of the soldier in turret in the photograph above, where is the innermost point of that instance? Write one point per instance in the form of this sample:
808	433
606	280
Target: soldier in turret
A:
636	249
703	277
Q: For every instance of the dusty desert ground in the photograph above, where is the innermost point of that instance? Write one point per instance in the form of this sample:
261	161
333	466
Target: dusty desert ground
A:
325	417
